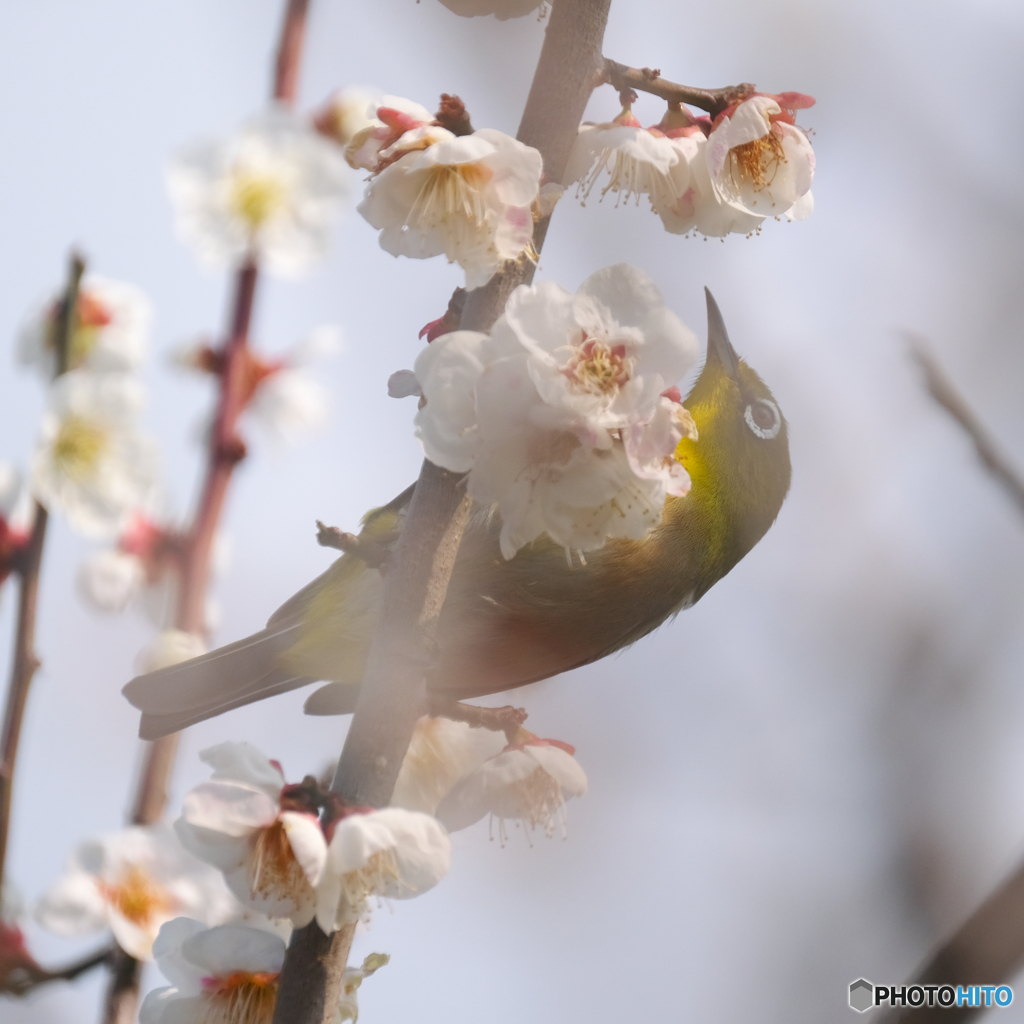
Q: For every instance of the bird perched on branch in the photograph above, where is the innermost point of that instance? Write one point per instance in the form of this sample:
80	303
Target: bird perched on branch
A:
508	623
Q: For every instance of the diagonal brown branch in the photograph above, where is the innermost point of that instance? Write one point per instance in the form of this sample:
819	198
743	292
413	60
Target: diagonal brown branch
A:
714	101
393	693
26	661
943	390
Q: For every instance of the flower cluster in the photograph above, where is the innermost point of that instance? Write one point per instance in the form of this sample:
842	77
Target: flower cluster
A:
711	177
279	858
469	197
561	415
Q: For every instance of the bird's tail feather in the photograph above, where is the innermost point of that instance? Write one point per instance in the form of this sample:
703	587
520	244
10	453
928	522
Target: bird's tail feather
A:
243	672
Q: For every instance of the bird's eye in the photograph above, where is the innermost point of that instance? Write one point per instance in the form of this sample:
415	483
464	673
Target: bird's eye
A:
763	418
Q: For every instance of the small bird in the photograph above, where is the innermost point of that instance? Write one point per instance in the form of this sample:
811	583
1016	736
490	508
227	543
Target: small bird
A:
508	623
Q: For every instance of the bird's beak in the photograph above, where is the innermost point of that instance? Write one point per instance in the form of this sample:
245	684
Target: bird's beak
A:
720	349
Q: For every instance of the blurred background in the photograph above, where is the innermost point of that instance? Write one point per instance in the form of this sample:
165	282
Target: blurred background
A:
806	779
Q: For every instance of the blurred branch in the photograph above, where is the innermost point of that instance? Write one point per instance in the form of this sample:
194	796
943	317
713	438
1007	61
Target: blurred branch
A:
226	450
942	389
393	693
26	661
714	101
21	979
988	949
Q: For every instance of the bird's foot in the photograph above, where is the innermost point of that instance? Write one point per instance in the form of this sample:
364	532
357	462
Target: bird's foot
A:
375	553
508	719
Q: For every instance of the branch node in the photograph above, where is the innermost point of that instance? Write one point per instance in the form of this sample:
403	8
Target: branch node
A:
507	719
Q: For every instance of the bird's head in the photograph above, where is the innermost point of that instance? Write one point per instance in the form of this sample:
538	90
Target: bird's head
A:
739	463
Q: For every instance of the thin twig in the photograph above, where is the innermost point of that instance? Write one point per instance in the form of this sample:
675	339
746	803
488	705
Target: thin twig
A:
25	978
393	692
26	661
714	101
942	389
226	450
988	948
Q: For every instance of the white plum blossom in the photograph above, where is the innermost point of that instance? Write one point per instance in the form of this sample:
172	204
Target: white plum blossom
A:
111	330
529	781
467	197
111	579
90	462
270	193
440	754
132	882
224	975
760	163
245	822
390	853
559	415
639	161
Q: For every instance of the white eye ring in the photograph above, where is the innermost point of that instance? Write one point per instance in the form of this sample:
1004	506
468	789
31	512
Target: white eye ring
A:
765	432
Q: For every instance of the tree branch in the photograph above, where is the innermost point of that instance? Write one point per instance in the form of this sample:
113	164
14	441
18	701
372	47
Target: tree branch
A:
226	450
393	692
714	101
26	661
24	978
944	391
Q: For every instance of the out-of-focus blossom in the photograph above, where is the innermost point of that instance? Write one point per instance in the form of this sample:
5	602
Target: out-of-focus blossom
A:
263	835
132	882
392	853
501	9
272	193
529	781
348	1008
111	579
467	197
223	975
441	753
759	161
403	384
111	331
18	968
559	415
91	464
639	161
282	394
169	647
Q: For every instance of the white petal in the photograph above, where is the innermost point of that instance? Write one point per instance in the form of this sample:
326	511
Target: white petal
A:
561	766
307	843
73	906
403	384
229	807
242	762
229	948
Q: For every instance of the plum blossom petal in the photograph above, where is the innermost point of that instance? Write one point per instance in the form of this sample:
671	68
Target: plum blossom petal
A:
403	384
529	781
272	192
132	882
90	463
109	580
759	163
467	197
111	330
392	853
441	753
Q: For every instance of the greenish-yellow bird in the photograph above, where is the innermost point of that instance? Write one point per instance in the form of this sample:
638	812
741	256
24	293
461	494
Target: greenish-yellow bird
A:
506	623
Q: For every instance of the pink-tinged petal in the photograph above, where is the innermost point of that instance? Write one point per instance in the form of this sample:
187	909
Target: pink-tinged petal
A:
516	168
